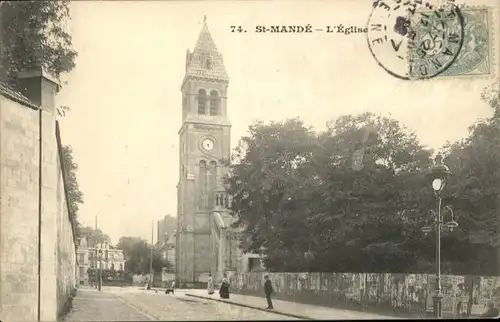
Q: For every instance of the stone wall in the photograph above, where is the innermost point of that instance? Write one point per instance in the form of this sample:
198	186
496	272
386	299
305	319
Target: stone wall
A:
19	197
37	245
401	294
66	258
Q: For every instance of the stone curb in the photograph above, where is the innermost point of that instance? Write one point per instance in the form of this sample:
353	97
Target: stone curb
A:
253	307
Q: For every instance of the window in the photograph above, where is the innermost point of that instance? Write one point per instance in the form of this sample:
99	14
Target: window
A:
81	271
81	258
202	181
211	182
208	63
202	101
214	103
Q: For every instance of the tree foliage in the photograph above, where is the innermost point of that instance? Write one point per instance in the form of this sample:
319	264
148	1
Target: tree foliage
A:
75	196
354	197
474	187
137	254
94	237
34	35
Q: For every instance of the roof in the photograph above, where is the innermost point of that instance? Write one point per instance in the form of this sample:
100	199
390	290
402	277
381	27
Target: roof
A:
224	220
7	92
205	50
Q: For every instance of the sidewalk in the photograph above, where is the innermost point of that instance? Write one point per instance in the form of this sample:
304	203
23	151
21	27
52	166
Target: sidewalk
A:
93	305
292	309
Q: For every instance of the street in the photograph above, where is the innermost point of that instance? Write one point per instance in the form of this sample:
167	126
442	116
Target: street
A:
136	304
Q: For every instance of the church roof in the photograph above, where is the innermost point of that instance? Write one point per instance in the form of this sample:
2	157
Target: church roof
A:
205	61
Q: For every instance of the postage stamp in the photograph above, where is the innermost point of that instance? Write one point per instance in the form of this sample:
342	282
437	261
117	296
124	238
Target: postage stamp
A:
415	39
476	56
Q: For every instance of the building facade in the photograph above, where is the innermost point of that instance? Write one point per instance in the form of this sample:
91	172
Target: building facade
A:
203	241
111	259
166	247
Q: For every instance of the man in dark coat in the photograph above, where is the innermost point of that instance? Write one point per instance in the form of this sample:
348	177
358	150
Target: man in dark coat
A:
268	289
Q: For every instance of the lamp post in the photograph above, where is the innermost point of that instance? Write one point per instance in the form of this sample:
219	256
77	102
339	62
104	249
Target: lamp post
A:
439	174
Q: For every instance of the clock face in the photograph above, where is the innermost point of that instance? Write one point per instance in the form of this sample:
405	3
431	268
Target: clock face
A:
207	145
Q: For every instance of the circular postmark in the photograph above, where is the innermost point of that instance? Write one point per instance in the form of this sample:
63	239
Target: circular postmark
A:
413	39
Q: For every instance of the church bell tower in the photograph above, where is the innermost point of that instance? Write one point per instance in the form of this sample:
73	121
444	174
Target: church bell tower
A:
204	142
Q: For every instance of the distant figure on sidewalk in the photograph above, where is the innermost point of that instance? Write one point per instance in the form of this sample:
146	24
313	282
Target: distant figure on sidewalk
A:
224	288
492	312
268	289
210	286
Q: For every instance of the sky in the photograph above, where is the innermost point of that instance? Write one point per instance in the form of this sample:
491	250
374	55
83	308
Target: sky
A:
125	99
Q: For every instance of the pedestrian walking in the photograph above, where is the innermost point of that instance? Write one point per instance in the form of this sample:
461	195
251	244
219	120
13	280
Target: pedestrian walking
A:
210	284
268	289
224	288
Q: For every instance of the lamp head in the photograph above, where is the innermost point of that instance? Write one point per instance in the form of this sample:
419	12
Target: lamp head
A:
438	184
438	173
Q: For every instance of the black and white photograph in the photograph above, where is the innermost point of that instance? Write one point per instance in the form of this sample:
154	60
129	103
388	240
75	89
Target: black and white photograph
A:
202	160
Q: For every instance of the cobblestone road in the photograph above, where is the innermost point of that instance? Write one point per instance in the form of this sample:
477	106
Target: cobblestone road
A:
181	307
129	304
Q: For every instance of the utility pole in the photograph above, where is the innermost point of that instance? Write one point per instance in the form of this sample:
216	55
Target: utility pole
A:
95	251
98	270
151	255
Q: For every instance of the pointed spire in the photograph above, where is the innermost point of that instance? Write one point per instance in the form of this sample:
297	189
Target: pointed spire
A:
205	42
205	60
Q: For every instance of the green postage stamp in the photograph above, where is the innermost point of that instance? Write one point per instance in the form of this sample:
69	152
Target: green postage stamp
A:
476	57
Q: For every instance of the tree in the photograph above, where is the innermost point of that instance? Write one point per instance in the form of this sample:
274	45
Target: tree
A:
137	254
94	237
372	170
310	197
34	35
266	173
474	188
75	196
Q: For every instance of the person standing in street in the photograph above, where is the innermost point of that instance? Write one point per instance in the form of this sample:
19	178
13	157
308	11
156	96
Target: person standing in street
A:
224	288
210	286
268	289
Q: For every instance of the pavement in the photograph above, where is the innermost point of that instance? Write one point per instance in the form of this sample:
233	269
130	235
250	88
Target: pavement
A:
291	309
137	304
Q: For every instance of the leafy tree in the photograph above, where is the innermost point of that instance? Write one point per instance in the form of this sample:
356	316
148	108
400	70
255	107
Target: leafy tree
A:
363	203
309	198
34	35
75	196
474	188
94	237
137	254
267	172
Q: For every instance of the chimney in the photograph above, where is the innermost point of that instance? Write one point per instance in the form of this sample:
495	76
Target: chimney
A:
40	87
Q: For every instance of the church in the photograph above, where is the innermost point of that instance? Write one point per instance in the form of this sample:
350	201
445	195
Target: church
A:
205	241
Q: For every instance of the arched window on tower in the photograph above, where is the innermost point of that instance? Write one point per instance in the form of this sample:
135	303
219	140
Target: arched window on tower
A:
214	103
202	181
202	101
212	182
208	63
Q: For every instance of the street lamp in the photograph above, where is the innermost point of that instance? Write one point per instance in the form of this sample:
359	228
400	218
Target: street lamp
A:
439	174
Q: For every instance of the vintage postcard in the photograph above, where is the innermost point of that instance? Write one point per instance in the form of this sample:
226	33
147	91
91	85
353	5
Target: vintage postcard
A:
249	160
